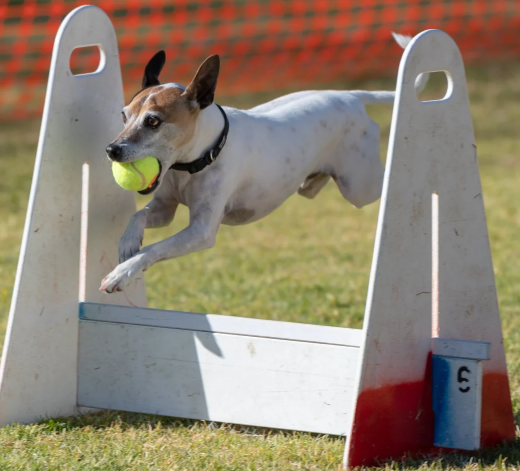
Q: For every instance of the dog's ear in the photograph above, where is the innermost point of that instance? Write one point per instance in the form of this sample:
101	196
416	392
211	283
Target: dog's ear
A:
153	69
202	87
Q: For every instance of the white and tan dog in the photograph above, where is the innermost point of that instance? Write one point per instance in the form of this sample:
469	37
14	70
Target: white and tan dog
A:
295	143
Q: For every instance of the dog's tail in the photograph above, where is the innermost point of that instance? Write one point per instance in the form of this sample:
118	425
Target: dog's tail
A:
384	97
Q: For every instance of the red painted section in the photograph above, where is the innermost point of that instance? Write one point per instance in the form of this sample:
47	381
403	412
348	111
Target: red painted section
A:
395	421
497	423
391	422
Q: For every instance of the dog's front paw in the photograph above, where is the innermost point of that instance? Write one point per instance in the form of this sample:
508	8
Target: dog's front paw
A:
122	274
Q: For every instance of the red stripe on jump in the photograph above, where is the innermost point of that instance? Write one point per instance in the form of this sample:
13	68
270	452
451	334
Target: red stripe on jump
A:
397	421
392	422
497	412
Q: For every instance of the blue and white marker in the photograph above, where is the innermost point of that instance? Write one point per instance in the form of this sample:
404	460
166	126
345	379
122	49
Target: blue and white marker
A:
457	392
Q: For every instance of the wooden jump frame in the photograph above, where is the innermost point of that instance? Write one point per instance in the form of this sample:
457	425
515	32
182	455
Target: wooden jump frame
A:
373	385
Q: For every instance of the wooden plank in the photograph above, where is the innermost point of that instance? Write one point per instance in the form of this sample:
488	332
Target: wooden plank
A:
82	114
431	152
220	377
221	324
468	349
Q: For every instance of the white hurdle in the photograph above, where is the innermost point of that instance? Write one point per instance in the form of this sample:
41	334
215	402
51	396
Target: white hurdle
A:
373	385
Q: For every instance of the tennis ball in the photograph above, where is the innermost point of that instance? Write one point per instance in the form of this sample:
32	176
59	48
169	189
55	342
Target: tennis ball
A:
138	175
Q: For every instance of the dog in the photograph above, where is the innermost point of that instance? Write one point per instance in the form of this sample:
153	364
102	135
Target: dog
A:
231	166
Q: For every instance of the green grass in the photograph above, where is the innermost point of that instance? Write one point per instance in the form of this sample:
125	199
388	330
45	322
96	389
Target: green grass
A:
307	262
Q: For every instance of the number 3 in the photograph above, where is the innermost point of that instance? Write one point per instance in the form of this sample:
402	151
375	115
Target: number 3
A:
461	379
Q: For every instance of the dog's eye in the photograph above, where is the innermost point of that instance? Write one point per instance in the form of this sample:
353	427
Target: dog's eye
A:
124	116
152	121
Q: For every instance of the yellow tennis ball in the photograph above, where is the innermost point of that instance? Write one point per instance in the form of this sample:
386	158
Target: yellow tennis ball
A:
138	175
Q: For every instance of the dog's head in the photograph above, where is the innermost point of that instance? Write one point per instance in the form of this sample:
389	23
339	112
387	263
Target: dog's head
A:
160	120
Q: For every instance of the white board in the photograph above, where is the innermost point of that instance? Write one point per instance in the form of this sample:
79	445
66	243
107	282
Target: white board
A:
221	324
82	114
431	150
296	383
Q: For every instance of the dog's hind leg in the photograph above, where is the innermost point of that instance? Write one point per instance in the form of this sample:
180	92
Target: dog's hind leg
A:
313	184
358	170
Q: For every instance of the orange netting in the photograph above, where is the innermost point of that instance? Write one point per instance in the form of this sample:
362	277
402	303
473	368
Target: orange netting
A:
263	43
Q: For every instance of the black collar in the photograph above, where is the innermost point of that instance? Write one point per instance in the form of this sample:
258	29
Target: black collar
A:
210	155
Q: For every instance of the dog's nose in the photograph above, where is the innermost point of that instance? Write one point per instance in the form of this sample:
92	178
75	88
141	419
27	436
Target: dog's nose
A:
114	151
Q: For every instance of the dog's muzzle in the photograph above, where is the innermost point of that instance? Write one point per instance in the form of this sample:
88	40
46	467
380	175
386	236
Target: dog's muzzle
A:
114	152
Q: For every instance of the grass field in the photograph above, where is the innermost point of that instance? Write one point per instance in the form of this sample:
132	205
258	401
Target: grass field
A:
307	262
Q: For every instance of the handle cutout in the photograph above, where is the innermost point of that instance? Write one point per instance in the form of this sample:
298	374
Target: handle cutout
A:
86	60
438	87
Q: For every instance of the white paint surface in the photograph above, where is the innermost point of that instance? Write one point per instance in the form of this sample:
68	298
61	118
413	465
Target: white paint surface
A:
461	348
222	324
38	374
431	150
222	377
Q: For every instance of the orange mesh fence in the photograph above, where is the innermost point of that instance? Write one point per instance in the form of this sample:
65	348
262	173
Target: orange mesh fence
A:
264	44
